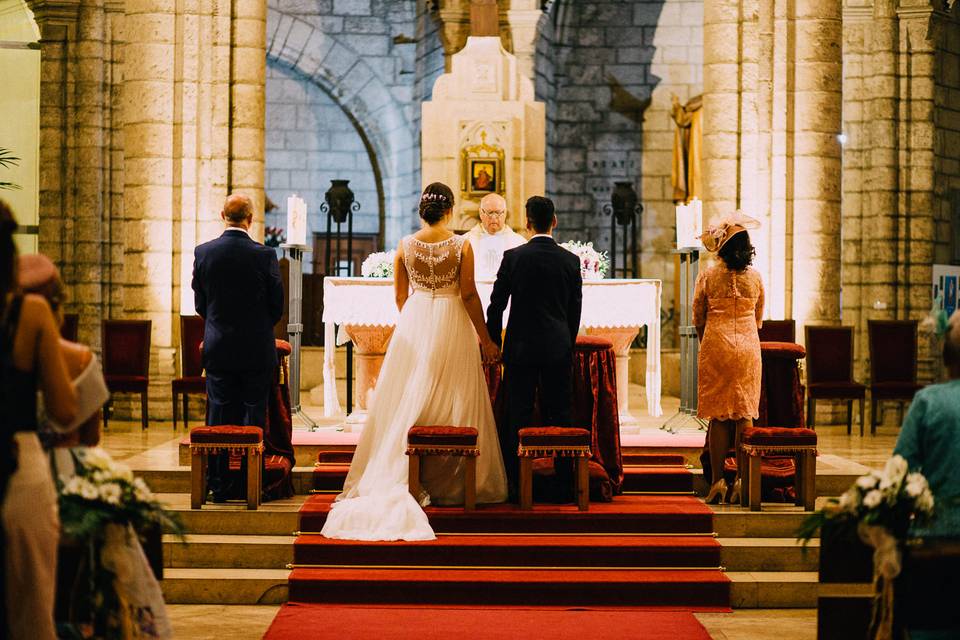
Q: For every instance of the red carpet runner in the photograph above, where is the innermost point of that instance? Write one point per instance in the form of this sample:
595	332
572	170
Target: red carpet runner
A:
405	623
641	562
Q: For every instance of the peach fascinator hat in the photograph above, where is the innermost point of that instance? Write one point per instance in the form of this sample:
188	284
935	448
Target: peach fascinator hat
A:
722	229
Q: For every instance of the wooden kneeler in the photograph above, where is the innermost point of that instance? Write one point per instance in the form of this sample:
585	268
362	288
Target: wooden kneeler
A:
801	444
207	441
444	441
553	442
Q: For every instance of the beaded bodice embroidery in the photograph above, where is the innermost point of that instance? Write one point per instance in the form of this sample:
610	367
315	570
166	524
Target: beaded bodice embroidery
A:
433	266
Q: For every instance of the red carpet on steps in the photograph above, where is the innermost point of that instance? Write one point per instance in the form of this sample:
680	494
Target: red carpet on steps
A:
297	621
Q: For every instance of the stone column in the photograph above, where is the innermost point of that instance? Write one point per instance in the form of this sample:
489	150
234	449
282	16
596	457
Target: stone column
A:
519	27
816	161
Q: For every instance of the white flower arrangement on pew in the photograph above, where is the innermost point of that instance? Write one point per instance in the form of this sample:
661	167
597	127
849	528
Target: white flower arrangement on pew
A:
378	265
106	492
880	508
593	264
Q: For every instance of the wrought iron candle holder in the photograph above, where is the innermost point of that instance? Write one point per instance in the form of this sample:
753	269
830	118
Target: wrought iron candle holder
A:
625	210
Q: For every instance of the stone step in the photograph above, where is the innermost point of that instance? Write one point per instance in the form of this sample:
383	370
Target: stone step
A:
228	552
749	589
276	518
768	554
773	589
774	521
225	586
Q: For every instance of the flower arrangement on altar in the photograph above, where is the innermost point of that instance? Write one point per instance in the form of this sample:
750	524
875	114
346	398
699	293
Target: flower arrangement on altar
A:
378	265
273	236
879	508
102	509
593	264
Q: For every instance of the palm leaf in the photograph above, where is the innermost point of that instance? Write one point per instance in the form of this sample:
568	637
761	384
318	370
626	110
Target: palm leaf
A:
7	159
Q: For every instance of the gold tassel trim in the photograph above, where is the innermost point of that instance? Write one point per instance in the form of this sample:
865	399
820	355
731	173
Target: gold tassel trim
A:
198	449
414	450
774	450
550	451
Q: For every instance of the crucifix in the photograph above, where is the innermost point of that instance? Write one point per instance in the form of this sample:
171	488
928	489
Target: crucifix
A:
484	18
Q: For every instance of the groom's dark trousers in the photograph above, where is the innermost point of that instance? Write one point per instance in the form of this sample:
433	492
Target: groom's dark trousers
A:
542	282
239	294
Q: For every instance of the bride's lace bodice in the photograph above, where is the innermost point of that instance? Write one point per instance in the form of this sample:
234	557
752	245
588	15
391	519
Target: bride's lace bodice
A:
433	266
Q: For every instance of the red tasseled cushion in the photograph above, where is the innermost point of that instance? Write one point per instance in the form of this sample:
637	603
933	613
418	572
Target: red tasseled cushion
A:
592	343
226	434
786	350
554	437
283	348
779	437
440	436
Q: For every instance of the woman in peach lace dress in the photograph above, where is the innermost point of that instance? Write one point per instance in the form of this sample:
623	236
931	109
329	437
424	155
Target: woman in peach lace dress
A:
727	311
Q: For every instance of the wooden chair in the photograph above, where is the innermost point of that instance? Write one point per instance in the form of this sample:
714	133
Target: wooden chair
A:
830	372
191	378
70	328
893	364
126	361
444	441
778	331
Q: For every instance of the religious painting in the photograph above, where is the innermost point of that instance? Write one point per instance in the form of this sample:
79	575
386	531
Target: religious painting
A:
483	176
950	295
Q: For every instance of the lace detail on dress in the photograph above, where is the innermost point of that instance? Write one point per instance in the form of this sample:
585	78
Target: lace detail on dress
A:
433	266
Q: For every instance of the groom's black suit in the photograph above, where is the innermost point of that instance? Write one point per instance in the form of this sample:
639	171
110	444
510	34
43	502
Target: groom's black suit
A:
542	281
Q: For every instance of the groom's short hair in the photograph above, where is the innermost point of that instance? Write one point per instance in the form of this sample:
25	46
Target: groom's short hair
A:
540	212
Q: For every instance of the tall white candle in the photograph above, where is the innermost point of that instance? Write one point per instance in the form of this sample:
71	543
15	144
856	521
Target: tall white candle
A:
296	220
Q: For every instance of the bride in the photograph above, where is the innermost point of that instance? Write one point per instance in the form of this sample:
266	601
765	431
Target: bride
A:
431	375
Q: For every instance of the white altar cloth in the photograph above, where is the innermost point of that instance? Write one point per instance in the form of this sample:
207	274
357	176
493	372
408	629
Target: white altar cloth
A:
607	304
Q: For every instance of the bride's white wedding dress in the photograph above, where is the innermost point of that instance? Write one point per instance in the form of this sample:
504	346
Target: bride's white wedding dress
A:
431	375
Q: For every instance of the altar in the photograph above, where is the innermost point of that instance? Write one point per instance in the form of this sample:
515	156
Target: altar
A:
365	312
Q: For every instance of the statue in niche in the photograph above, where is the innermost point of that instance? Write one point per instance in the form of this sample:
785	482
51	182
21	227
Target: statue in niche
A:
687	145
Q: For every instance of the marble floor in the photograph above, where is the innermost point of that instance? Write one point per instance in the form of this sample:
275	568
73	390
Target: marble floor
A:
157	448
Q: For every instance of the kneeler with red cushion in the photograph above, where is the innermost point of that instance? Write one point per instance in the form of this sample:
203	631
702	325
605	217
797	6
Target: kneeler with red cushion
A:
553	442
440	440
798	443
233	440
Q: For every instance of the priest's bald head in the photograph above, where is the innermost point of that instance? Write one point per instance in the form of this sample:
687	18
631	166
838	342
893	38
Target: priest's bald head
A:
493	213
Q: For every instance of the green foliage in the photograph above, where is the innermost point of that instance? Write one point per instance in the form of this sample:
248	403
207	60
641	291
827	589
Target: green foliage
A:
8	160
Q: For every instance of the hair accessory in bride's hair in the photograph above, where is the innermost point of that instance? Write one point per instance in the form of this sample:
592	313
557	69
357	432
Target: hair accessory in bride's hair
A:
434	197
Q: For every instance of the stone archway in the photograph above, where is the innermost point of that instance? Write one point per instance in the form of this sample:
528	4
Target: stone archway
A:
345	76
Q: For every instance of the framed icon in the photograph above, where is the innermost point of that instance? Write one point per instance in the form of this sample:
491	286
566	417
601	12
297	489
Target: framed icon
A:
483	175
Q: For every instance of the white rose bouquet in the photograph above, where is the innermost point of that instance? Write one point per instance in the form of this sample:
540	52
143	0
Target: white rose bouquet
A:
593	264
378	265
106	492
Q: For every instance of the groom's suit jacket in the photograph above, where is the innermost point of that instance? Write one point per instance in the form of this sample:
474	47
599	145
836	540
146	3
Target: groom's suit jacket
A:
239	294
542	281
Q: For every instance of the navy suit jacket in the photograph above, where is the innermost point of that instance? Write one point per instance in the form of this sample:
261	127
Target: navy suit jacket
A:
542	281
239	294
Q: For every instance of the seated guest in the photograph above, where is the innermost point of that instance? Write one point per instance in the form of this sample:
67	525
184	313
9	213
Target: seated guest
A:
30	360
727	312
930	437
37	274
491	237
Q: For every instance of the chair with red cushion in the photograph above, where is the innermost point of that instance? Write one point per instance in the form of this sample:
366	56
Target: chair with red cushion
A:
227	439
126	361
70	328
830	371
778	331
191	378
801	444
430	440
552	442
893	364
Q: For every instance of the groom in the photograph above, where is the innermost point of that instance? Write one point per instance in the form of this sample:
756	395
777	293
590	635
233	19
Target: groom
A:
543	280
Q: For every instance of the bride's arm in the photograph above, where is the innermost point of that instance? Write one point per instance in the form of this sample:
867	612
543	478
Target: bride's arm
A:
471	300
401	281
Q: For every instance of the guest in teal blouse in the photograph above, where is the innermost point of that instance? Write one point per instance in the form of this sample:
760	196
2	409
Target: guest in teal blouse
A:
930	438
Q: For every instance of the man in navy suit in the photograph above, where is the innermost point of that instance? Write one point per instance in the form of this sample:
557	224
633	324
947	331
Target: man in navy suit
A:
542	281
239	294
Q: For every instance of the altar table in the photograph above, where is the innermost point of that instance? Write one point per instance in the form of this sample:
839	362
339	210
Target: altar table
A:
365	310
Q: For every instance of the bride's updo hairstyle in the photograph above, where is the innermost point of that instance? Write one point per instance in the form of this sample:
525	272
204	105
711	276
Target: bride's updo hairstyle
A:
436	200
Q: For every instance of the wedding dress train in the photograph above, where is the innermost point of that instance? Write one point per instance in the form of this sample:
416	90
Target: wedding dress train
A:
431	375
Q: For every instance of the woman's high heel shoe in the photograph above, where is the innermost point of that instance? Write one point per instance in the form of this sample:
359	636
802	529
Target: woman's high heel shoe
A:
717	492
735	492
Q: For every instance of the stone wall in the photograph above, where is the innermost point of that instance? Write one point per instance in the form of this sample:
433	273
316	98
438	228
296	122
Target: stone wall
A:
362	53
310	141
607	71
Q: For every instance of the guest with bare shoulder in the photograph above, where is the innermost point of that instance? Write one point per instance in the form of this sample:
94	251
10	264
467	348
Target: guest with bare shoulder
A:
30	360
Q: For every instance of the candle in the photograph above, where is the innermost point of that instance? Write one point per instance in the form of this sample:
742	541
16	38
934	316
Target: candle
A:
296	221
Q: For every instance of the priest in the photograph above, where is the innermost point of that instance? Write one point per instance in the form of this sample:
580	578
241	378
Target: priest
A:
491	237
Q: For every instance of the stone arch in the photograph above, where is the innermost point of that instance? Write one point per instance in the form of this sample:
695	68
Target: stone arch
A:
340	71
